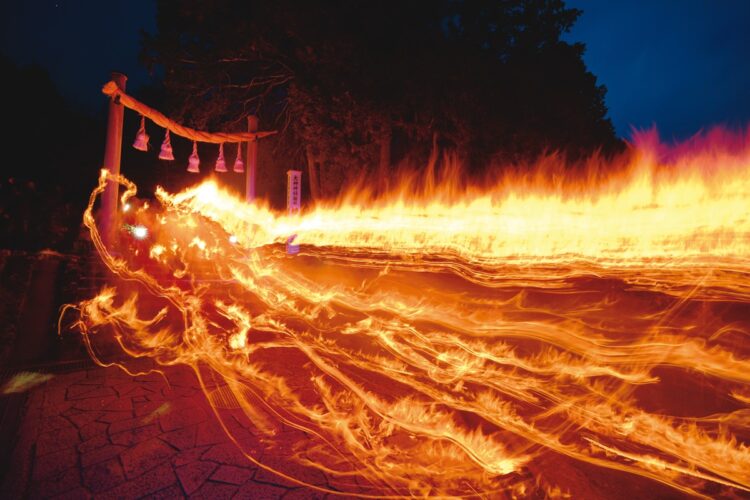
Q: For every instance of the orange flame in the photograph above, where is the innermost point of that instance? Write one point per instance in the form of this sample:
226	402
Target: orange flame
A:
443	343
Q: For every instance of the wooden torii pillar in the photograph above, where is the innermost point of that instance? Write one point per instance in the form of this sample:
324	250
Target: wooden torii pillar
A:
112	156
252	160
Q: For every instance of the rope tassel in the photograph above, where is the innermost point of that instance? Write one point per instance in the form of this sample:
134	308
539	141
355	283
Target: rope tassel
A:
141	139
221	165
194	161
166	148
238	165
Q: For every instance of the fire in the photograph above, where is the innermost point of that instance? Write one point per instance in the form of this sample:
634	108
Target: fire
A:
445	339
694	207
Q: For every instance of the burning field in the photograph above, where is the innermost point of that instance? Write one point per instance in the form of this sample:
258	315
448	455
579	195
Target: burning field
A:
530	337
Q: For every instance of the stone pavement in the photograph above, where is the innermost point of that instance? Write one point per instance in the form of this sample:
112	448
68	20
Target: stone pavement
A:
102	433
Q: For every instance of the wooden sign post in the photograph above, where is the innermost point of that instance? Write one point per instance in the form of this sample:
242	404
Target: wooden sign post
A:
293	204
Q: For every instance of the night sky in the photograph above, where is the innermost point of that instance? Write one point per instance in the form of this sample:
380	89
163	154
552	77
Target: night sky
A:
79	42
682	65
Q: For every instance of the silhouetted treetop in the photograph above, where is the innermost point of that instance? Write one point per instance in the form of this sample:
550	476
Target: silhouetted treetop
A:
359	85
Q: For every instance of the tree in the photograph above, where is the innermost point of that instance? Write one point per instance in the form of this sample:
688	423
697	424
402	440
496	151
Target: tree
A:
48	146
357	86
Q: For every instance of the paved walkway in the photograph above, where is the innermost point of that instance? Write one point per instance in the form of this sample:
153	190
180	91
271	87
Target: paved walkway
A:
102	433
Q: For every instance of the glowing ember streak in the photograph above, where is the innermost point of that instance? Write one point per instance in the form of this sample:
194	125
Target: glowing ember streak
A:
24	381
465	341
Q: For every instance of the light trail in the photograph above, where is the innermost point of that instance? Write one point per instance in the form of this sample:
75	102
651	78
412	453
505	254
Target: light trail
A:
453	340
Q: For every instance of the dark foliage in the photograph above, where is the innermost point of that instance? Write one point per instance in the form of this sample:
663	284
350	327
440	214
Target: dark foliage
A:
360	85
47	146
53	153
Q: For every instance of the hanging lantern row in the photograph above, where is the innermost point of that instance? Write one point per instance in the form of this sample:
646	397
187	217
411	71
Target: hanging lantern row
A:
141	144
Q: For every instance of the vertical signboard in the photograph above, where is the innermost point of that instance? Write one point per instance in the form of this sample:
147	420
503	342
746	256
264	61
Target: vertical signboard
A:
294	191
293	204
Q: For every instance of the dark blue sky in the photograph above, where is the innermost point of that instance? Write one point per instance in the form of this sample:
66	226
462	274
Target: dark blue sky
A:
79	42
680	64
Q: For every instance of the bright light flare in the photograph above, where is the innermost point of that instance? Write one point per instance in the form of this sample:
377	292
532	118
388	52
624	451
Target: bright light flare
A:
140	232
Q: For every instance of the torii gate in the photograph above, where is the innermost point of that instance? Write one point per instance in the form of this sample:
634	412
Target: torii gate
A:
115	89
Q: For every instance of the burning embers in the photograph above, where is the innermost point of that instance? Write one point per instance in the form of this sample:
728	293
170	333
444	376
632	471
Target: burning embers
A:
468	341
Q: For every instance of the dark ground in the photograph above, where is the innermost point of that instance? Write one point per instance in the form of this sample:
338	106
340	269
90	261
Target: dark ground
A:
89	431
101	433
